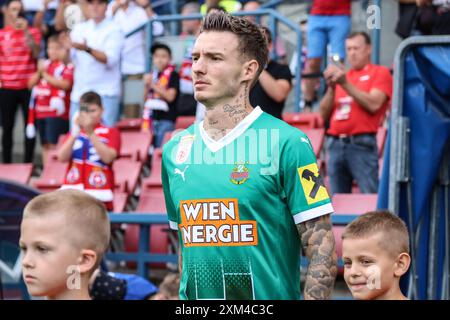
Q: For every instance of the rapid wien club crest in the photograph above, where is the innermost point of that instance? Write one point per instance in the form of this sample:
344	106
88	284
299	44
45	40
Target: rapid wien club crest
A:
97	178
240	173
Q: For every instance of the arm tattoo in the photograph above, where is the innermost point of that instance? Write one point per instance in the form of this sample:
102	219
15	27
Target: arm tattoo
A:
318	245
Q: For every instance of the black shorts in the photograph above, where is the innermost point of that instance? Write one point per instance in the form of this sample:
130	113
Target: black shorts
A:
51	128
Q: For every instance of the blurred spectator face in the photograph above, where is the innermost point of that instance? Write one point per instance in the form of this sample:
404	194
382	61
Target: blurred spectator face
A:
90	113
13	10
97	9
55	51
191	27
161	59
251	6
358	52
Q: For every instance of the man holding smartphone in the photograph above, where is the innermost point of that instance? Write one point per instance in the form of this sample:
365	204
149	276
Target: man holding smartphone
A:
19	49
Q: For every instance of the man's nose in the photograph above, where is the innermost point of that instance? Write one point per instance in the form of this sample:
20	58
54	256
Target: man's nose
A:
199	66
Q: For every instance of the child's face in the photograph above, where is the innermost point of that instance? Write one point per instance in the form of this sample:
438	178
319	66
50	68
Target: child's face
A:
55	51
161	59
48	257
369	271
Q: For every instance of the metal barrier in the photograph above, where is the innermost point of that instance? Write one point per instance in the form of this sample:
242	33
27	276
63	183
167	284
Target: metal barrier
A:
143	256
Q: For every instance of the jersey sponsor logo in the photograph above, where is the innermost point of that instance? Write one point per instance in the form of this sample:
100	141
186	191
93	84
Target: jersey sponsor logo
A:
239	174
215	222
312	183
97	179
184	148
181	173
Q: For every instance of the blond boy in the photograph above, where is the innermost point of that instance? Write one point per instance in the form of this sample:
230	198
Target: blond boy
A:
64	235
375	250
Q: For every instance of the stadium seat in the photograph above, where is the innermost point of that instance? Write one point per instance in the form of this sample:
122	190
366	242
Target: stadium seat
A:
18	172
120	202
129	124
167	137
351	203
317	137
135	145
183	122
127	173
304	120
154	180
150	201
159	242
52	176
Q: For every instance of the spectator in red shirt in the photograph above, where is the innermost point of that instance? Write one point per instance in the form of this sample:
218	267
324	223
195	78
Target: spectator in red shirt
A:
50	98
355	105
19	49
329	22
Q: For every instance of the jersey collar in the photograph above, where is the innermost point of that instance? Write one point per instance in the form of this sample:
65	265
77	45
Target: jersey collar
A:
215	146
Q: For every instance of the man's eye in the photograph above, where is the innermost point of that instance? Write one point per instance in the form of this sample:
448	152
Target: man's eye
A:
23	248
366	262
347	264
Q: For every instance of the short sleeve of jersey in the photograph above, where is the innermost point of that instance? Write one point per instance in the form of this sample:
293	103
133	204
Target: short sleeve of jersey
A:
383	81
170	207
114	139
305	192
284	73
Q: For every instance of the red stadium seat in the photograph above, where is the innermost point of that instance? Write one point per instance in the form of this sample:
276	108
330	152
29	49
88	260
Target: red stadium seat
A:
127	173
135	145
304	120
167	137
351	203
52	176
154	180
317	137
120	202
129	124
184	122
381	139
150	201
18	172
159	241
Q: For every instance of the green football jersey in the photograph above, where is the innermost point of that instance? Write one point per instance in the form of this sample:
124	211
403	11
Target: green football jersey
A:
236	202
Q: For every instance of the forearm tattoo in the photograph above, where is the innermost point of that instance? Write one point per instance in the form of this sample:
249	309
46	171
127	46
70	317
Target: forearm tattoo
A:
319	247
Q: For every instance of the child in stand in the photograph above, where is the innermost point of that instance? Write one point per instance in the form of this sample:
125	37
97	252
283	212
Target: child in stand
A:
162	88
50	98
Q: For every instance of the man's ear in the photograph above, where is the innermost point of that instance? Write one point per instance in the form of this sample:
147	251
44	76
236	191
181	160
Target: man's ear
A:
87	260
402	264
250	70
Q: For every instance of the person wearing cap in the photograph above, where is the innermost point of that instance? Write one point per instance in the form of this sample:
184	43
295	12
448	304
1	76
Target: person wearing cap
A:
96	46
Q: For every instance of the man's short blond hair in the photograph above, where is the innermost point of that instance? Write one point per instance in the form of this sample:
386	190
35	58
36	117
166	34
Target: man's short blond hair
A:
86	216
395	238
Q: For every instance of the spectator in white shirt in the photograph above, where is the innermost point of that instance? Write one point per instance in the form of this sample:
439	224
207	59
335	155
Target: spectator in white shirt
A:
129	15
96	47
